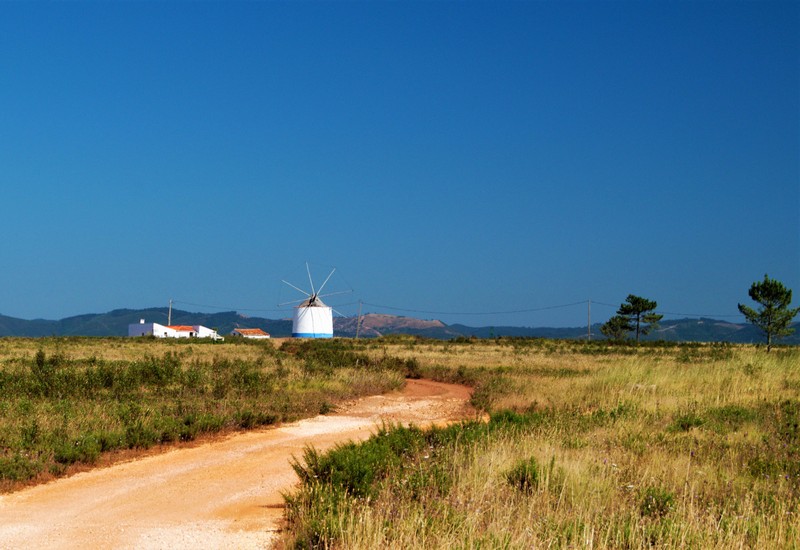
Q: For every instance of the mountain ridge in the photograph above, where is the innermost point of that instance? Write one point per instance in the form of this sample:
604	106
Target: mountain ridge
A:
115	323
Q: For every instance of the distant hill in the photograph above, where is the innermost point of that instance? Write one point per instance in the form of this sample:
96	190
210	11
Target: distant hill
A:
673	330
375	324
710	330
115	323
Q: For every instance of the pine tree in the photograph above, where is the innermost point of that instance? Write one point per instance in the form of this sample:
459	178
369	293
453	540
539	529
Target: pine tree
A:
616	328
641	314
774	316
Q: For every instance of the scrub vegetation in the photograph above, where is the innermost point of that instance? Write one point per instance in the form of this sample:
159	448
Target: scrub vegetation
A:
586	445
64	402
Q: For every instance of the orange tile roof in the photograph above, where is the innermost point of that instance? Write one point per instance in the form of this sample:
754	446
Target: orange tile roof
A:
251	331
181	328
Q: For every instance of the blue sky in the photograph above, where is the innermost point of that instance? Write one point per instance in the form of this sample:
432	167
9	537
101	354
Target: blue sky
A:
445	157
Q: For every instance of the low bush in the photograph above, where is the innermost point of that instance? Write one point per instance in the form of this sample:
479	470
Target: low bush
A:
525	475
397	459
59	410
656	502
19	467
357	468
687	420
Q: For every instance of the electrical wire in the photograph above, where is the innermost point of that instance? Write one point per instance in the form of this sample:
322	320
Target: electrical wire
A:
471	313
475	312
223	308
701	315
604	304
698	315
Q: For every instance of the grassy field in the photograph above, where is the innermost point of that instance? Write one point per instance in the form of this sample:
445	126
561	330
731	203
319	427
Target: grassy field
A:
685	446
588	445
70	402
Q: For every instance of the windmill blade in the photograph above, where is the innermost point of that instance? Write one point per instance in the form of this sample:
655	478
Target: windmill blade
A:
292	302
309	279
326	280
298	289
338	312
334	293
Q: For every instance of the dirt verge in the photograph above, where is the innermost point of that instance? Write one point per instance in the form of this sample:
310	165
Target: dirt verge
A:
220	494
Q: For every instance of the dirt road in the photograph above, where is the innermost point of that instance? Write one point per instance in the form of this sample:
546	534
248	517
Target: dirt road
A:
222	494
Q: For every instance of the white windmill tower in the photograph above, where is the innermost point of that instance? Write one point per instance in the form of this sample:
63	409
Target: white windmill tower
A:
312	318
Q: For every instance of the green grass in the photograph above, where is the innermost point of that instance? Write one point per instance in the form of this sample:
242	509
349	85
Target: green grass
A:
587	446
65	402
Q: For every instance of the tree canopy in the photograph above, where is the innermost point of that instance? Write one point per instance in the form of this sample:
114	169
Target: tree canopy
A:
774	316
636	314
616	328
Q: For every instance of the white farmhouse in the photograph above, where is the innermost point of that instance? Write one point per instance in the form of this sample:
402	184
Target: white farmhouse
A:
172	331
202	332
151	329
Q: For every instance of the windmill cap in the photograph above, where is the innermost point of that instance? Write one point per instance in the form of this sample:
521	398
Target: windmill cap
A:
312	302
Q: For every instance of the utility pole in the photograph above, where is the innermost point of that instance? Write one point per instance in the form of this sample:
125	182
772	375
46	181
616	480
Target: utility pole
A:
358	322
169	315
589	321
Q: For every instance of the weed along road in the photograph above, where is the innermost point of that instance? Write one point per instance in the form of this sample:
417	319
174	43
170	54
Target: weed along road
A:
221	494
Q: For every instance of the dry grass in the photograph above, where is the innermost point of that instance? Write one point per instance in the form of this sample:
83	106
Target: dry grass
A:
128	349
678	446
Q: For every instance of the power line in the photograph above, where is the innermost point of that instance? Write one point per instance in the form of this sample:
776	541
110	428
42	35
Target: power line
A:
604	304
472	313
699	315
223	308
530	310
232	308
709	315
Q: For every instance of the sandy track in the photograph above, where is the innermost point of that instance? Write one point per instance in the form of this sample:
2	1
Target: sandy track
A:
222	494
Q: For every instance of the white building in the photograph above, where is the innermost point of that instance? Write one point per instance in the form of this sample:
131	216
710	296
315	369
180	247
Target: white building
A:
312	319
172	331
151	329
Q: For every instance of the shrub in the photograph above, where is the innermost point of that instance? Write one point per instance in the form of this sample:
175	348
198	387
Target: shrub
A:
412	368
44	372
656	502
356	468
528	476
18	467
525	475
248	418
780	451
731	417
686	421
509	418
85	449
315	515
489	391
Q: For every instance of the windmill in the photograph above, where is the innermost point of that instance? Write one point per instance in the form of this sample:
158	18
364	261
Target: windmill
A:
312	318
